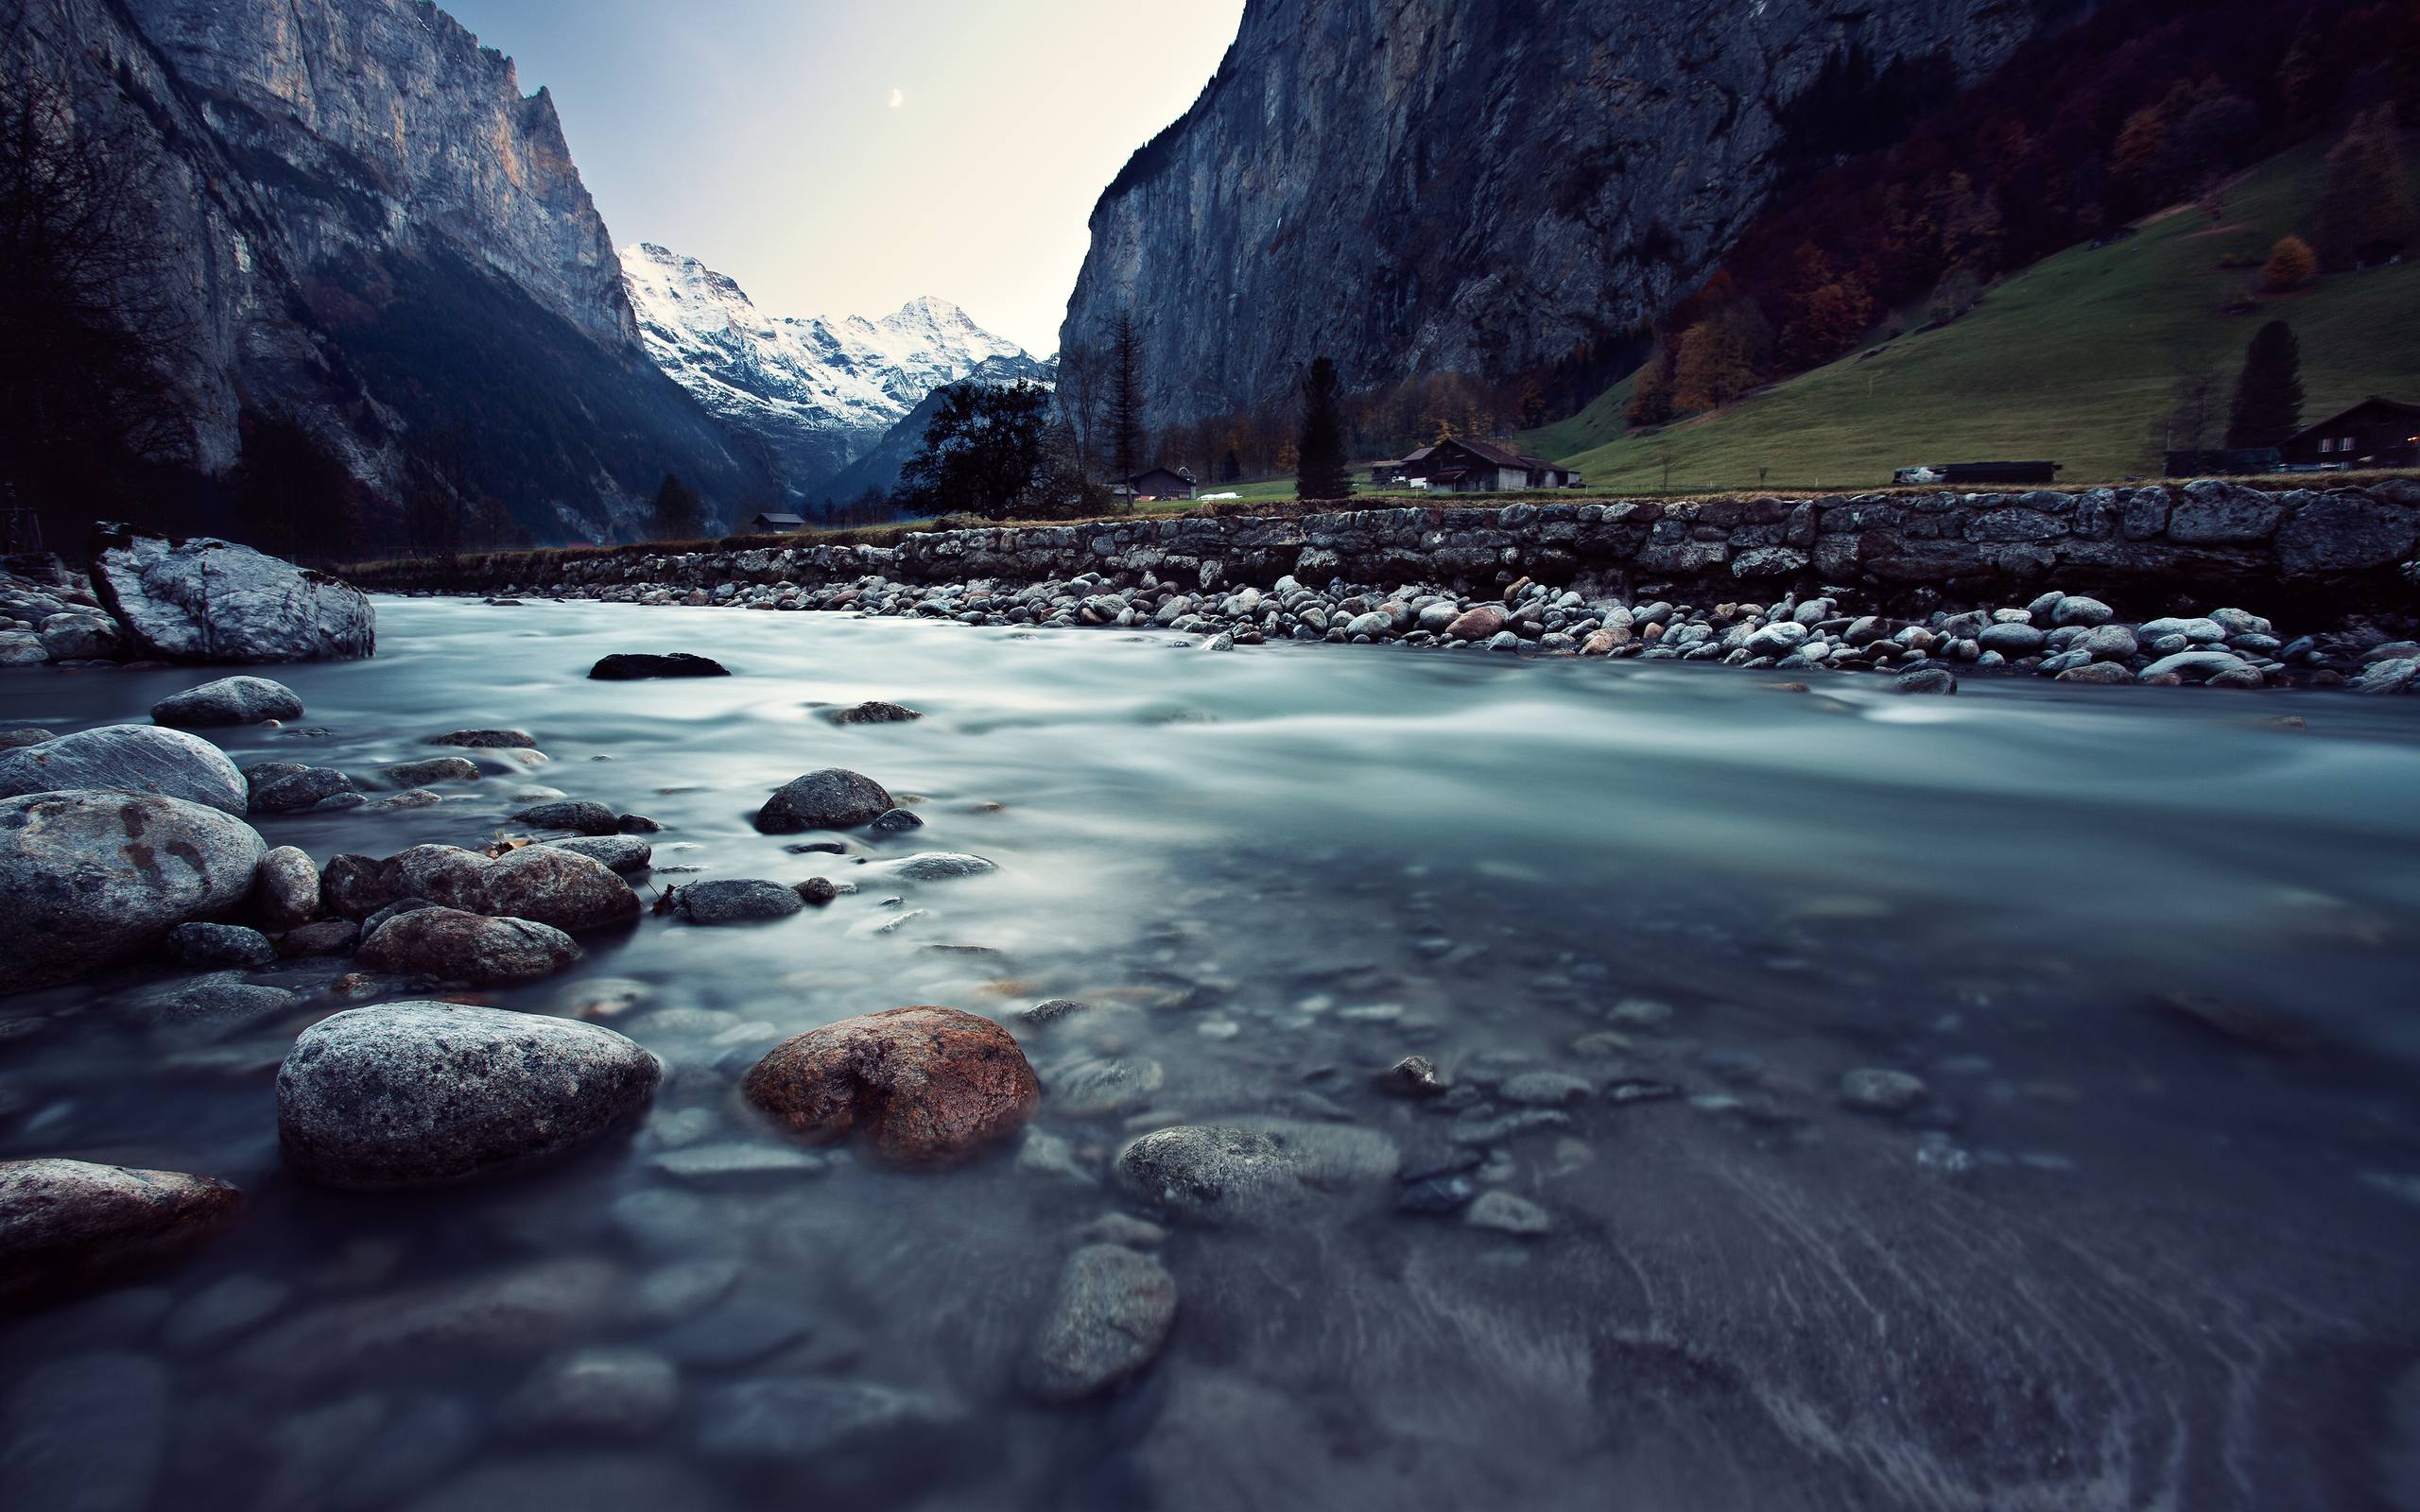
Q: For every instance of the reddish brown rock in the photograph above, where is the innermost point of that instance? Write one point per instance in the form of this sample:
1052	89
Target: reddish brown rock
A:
454	946
931	1085
71	1226
566	889
1476	623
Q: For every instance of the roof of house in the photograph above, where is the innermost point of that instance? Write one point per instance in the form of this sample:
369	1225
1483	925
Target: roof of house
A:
1489	451
1176	473
2391	406
780	519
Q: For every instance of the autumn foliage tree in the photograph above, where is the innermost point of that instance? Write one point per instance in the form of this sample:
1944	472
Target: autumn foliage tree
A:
1650	392
2292	264
2365	197
1720	357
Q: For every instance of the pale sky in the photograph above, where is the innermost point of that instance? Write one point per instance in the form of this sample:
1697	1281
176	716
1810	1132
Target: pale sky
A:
842	157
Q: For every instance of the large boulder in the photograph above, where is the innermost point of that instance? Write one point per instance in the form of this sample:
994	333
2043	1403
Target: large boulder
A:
129	759
632	666
454	946
208	600
66	1225
831	799
410	1093
573	892
931	1085
88	879
229	701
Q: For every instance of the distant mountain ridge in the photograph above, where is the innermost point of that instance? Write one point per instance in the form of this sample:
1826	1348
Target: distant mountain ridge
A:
814	394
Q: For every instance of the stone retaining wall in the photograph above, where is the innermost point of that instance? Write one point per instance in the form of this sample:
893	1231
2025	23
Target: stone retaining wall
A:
2327	551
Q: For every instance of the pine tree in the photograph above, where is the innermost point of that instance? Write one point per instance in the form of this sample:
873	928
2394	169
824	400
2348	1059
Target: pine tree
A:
1320	471
1125	398
2268	393
678	514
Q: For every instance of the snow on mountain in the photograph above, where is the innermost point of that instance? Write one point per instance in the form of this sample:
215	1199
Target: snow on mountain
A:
816	393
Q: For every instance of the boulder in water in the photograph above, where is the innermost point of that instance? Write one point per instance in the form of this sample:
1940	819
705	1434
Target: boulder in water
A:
286	887
831	799
209	600
454	946
1112	1313
66	1225
931	1085
737	901
632	666
555	886
88	879
410	1093
129	759
240	700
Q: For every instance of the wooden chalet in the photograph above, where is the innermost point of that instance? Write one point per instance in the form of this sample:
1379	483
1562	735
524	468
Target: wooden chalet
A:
1458	466
1158	483
774	525
2374	433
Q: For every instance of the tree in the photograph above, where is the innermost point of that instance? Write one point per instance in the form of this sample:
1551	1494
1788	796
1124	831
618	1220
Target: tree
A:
2193	402
1650	391
1720	357
2365	199
293	497
2268	393
1125	417
1231	467
678	514
2292	265
983	452
1064	488
1319	470
89	318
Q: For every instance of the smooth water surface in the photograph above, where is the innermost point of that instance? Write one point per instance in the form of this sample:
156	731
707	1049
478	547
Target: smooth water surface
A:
2117	1260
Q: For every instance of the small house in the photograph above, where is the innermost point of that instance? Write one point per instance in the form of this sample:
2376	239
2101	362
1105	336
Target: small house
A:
2374	433
774	525
1458	466
1155	483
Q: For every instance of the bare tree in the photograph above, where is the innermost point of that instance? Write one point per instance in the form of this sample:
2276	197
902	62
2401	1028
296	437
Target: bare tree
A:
2197	402
1126	418
86	400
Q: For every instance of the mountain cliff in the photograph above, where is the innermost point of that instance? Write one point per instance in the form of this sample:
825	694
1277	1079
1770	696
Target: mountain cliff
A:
815	394
1416	186
373	233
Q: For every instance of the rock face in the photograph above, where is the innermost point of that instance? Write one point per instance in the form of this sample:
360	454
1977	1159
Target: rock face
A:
410	1094
207	600
931	1085
229	701
69	1225
90	879
453	946
1112	1313
1548	173
356	199
129	759
831	799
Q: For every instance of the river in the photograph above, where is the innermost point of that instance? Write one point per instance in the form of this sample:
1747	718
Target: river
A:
2115	1259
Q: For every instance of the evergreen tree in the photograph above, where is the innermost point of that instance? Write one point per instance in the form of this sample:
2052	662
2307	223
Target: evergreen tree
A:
984	452
1231	467
2268	393
1125	398
1318	469
678	514
1650	392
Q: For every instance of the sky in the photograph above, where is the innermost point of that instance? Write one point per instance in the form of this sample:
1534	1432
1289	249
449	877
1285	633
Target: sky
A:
842	157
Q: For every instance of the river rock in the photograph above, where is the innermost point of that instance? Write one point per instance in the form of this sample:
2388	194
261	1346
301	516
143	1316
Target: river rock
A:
240	700
129	759
1509	1213
1210	1173
22	648
1925	679
89	879
354	885
485	739
2101	671
1875	1089
552	886
444	874
580	815
328	936
67	1226
290	787
2074	609
739	900
209	947
1478	622
205	1008
410	1094
873	711
1111	1315
286	887
631	666
830	798
931	1085
2193	666
456	946
940	866
605	1392
207	600
81	635
622	852
431	769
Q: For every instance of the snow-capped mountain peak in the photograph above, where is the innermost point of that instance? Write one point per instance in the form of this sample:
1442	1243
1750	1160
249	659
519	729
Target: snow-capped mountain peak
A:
819	391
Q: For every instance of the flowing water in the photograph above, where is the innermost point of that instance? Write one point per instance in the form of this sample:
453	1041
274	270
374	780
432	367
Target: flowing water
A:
2116	1259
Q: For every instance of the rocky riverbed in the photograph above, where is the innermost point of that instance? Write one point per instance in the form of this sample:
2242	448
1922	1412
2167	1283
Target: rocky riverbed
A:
941	1067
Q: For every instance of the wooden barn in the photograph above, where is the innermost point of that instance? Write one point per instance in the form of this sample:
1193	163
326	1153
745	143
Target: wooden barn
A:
2374	433
1158	483
774	525
1456	466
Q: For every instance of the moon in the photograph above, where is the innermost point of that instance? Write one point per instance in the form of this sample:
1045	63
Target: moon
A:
898	97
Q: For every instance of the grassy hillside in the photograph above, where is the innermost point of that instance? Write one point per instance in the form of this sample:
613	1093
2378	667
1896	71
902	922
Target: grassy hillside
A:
2072	359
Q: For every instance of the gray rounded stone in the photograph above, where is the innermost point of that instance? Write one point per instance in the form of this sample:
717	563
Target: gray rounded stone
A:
2076	610
200	599
410	1093
1210	1173
290	787
90	879
604	1393
286	887
553	885
1925	679
238	700
1875	1089
737	901
831	799
621	852
580	815
68	1225
2010	639
129	759
941	866
215	946
454	946
1108	1320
